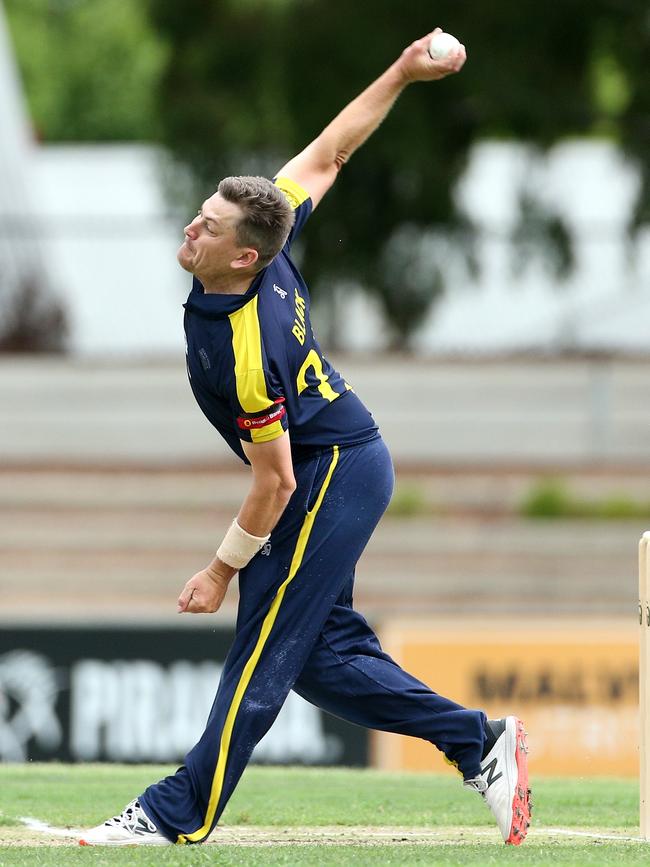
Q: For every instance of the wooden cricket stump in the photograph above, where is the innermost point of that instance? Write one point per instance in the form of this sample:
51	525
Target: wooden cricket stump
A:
644	692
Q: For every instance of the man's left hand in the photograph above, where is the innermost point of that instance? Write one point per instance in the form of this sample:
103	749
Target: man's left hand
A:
204	592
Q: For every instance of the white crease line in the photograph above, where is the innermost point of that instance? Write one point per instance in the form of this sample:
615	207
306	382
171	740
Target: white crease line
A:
44	828
249	834
593	835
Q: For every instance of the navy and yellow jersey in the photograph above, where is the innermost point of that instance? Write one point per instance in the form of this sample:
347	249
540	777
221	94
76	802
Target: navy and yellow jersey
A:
256	368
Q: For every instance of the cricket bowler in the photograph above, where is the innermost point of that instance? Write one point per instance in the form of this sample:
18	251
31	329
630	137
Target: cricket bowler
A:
321	478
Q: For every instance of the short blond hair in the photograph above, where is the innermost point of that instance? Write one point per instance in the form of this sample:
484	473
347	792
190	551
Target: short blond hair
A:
267	216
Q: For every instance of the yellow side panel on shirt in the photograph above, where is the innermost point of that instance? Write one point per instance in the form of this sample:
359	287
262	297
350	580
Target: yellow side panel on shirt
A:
293	191
249	375
253	659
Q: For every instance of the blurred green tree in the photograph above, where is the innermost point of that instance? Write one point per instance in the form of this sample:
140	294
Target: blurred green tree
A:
238	86
262	78
90	68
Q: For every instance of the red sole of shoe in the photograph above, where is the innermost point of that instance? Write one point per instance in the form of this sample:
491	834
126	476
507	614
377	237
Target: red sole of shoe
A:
521	802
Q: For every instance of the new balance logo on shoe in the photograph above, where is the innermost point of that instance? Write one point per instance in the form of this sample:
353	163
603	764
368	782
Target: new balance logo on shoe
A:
489	770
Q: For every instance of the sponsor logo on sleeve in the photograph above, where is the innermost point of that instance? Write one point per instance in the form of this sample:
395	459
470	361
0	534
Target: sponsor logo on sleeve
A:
271	415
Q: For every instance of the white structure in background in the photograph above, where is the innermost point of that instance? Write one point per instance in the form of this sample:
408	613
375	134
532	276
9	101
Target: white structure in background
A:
111	246
604	304
18	257
91	221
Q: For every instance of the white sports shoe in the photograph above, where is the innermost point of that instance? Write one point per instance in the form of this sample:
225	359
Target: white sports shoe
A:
503	782
131	828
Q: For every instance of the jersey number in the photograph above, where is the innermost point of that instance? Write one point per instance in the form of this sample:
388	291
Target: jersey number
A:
315	362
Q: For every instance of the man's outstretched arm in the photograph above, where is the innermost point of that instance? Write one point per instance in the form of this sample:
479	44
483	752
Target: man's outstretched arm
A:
272	486
316	167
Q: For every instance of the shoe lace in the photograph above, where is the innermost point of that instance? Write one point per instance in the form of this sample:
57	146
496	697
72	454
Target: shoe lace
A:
131	819
478	784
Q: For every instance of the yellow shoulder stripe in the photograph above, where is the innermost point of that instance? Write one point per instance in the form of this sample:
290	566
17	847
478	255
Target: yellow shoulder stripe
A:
295	194
249	375
246	675
247	348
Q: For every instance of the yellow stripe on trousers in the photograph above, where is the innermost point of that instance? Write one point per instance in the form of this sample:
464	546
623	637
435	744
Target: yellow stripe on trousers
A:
249	668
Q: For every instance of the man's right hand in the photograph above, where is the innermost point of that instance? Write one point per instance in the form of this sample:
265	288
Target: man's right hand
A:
417	64
316	167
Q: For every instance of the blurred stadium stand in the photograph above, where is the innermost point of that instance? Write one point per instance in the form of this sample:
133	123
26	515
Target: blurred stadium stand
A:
549	412
114	489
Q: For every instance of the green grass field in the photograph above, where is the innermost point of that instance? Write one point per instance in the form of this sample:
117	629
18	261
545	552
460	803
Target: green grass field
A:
322	817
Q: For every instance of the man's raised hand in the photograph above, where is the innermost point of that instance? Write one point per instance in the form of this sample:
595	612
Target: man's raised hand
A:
418	65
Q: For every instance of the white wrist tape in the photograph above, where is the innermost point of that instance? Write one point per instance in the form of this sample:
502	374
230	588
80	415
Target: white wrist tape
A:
239	547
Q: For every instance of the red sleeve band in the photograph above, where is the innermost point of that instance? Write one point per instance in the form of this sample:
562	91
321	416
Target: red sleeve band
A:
273	414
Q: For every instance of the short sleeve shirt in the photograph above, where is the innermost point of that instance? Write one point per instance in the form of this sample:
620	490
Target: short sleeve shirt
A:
256	368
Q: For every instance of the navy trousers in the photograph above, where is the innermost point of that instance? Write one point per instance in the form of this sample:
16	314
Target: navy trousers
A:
296	629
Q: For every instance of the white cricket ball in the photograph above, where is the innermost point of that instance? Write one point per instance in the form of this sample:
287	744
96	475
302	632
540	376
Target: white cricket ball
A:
442	45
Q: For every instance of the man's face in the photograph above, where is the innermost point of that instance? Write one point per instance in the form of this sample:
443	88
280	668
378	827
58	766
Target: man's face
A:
210	249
